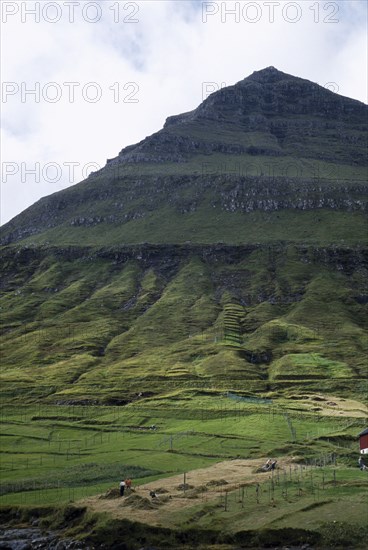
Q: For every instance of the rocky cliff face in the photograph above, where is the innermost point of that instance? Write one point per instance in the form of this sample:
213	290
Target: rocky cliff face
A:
286	109
187	195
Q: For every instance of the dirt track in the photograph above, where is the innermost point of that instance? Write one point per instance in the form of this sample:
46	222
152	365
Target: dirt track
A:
170	498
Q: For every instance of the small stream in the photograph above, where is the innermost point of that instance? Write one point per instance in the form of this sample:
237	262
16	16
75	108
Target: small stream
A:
32	538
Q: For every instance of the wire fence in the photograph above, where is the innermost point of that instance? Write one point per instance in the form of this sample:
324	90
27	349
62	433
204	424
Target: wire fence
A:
318	480
102	422
290	482
96	429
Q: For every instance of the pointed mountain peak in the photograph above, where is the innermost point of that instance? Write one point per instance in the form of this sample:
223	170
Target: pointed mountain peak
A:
268	71
251	105
268	93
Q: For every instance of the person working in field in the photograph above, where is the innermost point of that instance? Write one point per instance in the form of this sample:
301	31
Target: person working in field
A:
128	484
267	466
122	488
270	465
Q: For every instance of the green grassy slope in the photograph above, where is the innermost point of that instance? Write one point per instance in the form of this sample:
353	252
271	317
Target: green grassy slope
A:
85	325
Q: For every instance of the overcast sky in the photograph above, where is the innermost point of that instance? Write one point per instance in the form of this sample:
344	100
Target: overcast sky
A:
106	74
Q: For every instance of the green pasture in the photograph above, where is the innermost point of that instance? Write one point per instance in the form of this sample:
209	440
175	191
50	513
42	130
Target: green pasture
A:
60	453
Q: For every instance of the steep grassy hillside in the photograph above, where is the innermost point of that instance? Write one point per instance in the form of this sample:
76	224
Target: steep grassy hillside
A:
105	324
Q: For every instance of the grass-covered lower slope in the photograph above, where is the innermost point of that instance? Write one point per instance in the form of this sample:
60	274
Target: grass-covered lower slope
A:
105	324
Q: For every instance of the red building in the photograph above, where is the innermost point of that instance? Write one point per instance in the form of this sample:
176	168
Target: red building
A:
363	441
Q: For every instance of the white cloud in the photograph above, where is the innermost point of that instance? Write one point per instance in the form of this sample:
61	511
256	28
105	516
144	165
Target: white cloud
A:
167	55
